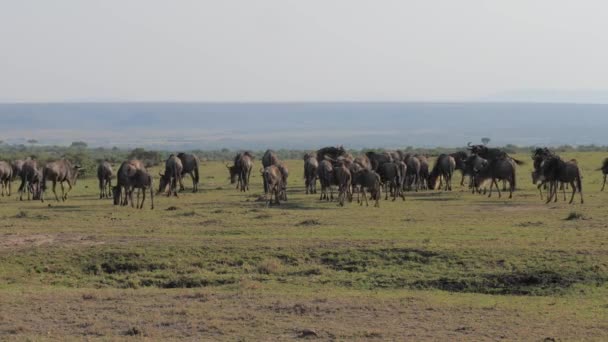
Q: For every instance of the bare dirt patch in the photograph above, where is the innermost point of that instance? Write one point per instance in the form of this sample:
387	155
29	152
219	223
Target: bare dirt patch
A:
17	241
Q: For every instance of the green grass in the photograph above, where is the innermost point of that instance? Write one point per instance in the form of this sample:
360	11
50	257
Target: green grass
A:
451	252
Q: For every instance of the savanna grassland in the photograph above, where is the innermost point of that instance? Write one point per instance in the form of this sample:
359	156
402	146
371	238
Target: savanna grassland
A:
219	265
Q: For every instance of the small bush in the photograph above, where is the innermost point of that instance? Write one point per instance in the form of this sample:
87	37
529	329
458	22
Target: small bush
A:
270	266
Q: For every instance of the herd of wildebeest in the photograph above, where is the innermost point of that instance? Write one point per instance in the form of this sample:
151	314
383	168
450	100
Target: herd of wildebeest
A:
335	169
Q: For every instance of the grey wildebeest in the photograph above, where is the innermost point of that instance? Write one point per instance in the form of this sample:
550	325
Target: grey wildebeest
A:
412	177
444	168
17	166
240	171
327	179
191	166
6	177
61	171
311	167
460	158
391	175
139	179
171	177
343	177
538	158
104	176
495	170
425	167
368	181
377	159
555	170
332	153
124	175
31	178
275	177
604	170
268	159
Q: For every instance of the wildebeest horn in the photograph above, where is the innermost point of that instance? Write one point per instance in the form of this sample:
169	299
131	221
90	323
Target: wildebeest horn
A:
469	144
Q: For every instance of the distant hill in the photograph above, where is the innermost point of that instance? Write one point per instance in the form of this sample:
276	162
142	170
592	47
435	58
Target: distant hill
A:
303	125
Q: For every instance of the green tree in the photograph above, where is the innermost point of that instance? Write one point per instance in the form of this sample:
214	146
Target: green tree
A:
79	144
485	141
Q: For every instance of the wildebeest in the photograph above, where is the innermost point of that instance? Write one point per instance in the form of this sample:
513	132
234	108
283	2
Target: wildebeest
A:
538	157
377	159
604	170
390	176
326	179
6	177
499	169
268	159
330	152
104	175
191	165
124	179
311	167
425	168
240	171
412	177
555	170
491	154
442	171
343	178
171	177
460	158
31	179
138	179
275	177
17	166
61	171
370	181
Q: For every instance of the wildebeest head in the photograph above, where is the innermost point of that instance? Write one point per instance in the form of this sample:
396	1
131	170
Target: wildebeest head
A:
116	194
163	182
233	173
476	163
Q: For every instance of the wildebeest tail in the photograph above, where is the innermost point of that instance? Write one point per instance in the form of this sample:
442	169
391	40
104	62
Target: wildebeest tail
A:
579	182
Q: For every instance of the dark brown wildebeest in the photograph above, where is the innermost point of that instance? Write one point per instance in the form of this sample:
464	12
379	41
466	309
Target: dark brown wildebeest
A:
330	152
17	166
377	159
104	175
171	177
311	167
412	177
240	172
6	177
555	170
124	175
275	177
460	158
61	171
327	179
191	165
370	181
30	179
538	157
491	154
136	178
604	170
444	168
498	169
425	168
390	176
343	177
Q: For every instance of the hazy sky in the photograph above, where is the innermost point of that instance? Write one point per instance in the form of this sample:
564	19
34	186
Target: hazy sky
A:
284	50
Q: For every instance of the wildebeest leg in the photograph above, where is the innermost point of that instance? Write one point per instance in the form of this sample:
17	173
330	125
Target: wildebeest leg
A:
55	190
550	192
131	197
540	190
497	188
364	197
564	191
462	180
62	191
144	197
573	191
152	196
604	185
67	192
109	187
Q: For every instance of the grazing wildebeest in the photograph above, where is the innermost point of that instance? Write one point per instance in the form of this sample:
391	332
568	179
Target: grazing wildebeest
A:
604	170
425	168
61	171
171	177
240	171
124	175
6	177
17	166
555	170
442	171
327	179
370	181
495	170
412	177
270	158
191	165
390	176
343	177
330	152
138	179
104	175
311	167
30	179
460	158
275	177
